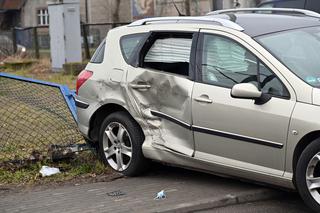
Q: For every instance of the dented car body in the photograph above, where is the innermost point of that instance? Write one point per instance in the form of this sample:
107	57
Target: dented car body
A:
209	93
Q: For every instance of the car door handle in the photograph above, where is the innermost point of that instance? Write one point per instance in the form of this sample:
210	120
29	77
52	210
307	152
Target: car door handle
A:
140	86
203	99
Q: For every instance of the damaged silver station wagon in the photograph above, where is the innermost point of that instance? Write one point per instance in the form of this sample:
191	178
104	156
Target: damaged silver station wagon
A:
235	92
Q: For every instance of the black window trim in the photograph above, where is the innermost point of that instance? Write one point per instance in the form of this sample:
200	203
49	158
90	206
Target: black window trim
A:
198	70
150	39
131	59
95	55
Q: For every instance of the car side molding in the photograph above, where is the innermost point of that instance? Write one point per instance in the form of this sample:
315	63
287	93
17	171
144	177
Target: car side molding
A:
217	132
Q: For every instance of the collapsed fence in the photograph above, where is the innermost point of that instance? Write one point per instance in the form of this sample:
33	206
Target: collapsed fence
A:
34	117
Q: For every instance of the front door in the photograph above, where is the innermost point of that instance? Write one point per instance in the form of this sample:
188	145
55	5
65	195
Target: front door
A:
161	88
237	132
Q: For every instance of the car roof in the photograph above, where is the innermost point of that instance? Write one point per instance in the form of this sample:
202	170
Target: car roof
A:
256	24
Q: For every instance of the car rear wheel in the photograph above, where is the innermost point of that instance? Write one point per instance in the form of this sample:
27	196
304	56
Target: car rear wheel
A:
308	175
120	144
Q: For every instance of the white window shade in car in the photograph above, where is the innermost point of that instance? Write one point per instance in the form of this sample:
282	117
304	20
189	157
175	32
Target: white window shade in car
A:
170	50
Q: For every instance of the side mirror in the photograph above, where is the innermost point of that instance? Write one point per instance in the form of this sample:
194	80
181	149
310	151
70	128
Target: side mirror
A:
249	91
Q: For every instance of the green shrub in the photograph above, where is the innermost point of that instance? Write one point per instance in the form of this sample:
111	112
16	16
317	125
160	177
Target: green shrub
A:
16	65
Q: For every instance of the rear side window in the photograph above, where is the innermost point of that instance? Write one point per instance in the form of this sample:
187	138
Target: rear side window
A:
98	56
129	43
170	54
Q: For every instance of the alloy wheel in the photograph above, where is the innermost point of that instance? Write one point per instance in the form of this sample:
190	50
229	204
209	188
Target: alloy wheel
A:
313	177
117	146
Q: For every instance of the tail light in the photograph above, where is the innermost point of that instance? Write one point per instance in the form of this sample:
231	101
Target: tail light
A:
83	77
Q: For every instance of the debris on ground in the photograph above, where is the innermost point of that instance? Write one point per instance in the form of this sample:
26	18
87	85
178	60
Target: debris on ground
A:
116	193
48	171
161	195
61	152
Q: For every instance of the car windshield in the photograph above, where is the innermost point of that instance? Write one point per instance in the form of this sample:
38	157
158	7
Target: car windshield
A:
299	50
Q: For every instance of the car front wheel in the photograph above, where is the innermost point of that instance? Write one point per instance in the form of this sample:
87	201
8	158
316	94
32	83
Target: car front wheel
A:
120	144
308	175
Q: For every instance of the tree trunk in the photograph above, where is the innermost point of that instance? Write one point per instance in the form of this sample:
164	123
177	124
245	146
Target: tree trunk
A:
187	7
116	11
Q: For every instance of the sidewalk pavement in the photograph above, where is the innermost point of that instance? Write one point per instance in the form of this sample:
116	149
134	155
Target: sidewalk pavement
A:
186	191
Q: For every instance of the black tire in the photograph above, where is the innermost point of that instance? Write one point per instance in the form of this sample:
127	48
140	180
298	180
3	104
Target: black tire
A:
138	163
301	173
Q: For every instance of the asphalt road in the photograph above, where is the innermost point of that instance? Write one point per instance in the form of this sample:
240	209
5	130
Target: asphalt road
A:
291	205
184	188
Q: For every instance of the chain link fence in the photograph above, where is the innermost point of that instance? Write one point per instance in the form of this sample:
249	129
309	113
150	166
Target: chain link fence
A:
34	118
36	40
6	44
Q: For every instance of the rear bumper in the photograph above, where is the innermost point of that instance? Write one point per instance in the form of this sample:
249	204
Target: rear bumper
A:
85	109
81	104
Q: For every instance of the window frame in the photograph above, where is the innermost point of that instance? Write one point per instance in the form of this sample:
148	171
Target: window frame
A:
154	35
42	13
96	53
132	57
259	61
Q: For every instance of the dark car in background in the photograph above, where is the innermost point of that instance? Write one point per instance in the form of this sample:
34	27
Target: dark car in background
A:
7	48
313	5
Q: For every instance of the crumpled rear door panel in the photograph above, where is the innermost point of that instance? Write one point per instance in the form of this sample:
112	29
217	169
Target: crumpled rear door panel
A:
163	101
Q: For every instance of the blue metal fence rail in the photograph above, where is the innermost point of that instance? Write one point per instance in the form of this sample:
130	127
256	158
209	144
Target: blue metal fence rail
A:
65	91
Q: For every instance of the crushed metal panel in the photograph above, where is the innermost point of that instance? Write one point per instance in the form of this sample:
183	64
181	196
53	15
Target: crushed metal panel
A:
169	95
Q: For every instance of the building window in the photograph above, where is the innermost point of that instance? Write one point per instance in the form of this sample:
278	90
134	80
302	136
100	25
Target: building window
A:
43	17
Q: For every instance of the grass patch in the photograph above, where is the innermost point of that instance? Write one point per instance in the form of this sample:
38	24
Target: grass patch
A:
41	69
84	165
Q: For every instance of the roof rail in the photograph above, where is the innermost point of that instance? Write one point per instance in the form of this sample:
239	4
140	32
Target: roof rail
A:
284	10
177	19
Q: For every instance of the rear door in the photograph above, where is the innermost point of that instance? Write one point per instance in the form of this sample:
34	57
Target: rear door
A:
160	88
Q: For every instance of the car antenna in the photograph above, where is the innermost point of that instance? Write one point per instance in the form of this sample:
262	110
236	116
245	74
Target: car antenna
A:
174	4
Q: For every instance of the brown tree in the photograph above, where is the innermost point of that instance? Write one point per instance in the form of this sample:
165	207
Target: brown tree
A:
187	7
116	11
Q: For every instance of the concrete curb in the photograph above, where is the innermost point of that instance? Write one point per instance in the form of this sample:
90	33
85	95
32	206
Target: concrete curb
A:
230	199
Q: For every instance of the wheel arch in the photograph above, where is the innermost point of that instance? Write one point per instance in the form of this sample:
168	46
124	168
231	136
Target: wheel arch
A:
100	114
302	144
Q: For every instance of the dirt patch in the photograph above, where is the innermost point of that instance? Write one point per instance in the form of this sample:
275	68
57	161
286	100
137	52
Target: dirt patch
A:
84	168
43	185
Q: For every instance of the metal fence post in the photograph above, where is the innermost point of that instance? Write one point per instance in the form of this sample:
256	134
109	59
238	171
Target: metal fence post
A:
85	41
36	42
14	40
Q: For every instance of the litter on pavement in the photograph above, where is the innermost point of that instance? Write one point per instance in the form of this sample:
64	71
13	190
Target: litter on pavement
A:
116	193
48	171
161	195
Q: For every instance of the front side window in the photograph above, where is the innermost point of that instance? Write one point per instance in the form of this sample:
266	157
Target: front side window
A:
170	54
42	17
226	63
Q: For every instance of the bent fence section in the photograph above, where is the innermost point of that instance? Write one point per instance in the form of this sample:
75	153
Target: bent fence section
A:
34	117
